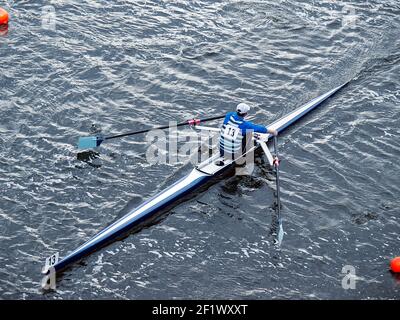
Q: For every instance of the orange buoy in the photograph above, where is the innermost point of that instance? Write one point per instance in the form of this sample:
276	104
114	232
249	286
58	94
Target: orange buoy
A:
395	264
3	16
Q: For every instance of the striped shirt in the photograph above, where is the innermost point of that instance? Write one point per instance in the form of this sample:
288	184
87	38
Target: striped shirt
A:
233	132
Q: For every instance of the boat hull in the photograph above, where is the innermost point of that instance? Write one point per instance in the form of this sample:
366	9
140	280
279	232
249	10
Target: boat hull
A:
137	216
199	176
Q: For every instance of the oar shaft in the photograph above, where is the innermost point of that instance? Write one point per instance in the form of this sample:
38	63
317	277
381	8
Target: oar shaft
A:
278	197
186	123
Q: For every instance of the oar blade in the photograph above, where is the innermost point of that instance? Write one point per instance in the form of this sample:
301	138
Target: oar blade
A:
280	233
89	142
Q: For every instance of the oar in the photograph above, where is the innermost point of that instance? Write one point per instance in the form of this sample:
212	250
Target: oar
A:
278	198
95	141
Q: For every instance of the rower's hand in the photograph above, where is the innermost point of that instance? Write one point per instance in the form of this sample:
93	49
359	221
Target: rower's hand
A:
273	131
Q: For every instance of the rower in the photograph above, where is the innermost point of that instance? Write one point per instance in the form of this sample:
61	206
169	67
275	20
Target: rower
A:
236	132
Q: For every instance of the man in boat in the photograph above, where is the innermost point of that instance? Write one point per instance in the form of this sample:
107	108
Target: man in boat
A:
236	132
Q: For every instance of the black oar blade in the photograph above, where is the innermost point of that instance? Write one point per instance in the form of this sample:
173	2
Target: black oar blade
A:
89	142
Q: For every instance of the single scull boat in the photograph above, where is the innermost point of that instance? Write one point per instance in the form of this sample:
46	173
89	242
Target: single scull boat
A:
198	177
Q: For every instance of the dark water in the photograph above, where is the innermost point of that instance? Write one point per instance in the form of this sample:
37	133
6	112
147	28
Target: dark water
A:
132	64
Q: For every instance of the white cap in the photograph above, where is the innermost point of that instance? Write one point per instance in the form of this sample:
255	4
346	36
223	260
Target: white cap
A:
243	108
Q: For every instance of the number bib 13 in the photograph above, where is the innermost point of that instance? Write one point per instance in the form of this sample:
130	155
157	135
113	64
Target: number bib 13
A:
231	131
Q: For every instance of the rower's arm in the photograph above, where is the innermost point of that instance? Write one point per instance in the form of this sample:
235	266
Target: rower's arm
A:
272	131
255	127
259	129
